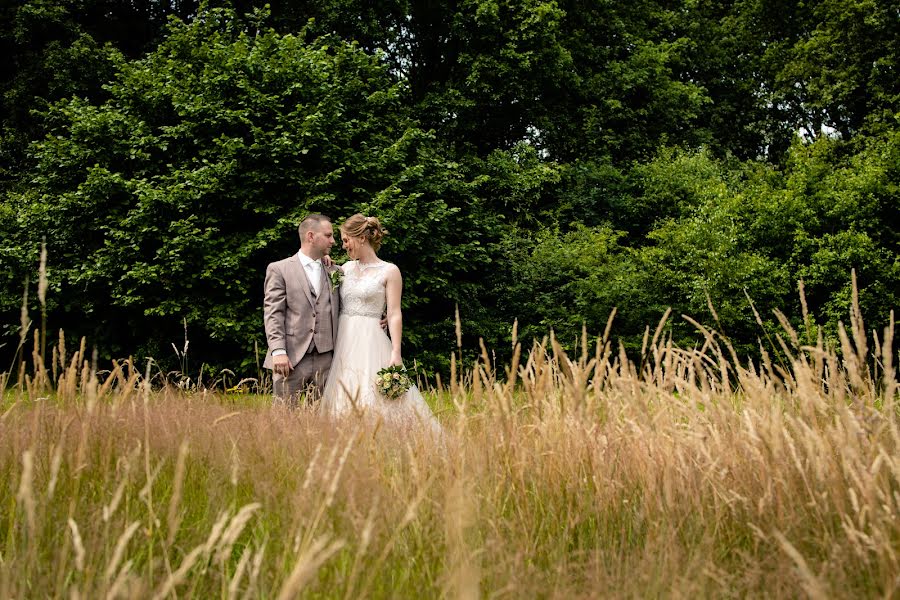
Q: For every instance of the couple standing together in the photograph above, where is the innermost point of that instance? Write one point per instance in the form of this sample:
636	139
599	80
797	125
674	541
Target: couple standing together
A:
324	323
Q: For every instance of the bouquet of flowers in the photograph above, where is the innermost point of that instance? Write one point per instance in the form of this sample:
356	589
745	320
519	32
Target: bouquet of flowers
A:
392	382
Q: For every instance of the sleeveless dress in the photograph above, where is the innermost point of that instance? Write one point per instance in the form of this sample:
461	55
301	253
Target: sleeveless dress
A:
362	349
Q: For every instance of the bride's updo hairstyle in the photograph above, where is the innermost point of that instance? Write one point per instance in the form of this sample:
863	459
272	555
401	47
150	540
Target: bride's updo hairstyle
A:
368	228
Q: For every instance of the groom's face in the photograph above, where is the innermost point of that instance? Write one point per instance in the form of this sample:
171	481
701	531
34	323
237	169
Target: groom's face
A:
321	239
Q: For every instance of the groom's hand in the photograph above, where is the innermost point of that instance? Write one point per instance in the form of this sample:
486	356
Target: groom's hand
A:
281	364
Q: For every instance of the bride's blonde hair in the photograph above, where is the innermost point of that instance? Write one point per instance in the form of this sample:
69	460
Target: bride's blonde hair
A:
368	228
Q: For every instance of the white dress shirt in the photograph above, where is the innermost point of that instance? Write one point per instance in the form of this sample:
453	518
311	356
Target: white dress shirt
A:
313	269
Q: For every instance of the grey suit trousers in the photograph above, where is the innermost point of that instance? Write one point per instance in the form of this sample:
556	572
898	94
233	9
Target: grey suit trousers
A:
307	380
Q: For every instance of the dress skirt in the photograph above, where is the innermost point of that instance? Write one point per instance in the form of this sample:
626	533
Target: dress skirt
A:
361	350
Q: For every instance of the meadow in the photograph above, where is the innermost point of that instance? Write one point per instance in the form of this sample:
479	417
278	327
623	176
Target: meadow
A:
689	473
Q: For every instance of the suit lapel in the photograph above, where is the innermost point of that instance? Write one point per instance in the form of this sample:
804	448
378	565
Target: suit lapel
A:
335	301
299	274
324	281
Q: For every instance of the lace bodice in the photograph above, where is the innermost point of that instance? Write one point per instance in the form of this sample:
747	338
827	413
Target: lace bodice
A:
362	291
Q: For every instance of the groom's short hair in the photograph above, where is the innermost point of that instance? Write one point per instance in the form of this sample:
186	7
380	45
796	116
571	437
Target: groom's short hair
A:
309	222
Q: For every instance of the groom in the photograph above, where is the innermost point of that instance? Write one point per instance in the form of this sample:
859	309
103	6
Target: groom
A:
300	310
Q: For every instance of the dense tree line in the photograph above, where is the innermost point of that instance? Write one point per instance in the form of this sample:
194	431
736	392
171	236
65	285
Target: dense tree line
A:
534	161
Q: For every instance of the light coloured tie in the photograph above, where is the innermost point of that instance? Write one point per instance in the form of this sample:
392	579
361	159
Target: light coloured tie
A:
315	277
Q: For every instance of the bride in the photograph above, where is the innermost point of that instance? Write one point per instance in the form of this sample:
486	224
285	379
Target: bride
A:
362	348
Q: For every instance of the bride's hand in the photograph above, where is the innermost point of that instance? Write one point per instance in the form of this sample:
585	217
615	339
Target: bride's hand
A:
327	262
396	360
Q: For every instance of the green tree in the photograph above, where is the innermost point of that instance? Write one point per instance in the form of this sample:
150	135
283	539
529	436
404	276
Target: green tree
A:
725	235
629	96
164	203
844	69
47	56
55	49
566	281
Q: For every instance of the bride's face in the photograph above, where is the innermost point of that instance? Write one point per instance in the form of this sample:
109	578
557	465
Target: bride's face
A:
351	245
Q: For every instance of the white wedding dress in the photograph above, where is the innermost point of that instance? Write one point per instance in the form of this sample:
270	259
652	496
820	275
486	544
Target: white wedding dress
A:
362	349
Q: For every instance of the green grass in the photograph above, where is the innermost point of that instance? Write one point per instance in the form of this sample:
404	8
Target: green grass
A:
583	480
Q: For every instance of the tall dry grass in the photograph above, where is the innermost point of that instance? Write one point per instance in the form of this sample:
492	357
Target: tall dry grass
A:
689	473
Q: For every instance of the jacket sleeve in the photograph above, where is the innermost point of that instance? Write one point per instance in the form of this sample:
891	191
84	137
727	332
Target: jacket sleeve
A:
275	308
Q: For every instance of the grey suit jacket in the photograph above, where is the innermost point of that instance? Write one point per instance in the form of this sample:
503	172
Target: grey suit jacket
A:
288	309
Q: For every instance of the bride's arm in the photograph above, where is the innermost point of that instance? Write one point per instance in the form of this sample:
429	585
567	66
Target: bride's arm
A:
394	291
